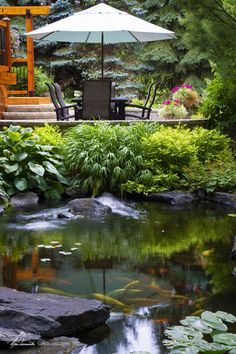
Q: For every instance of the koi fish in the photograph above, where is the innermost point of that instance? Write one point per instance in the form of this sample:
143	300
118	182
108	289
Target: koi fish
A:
198	312
109	300
132	283
54	291
160	321
179	297
207	253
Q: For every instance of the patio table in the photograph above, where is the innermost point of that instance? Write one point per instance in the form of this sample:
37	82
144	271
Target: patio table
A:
119	102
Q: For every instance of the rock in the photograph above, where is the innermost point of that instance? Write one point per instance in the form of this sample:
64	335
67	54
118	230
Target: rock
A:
226	199
65	215
49	315
24	200
88	207
17	336
59	345
173	198
200	194
74	192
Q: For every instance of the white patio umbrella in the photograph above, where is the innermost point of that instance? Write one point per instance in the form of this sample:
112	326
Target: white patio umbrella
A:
101	24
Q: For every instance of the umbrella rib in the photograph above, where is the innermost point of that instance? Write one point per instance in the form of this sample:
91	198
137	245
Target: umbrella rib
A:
134	36
48	34
87	37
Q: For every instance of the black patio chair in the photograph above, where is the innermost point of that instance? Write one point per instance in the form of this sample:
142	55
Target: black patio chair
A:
96	102
61	108
147	107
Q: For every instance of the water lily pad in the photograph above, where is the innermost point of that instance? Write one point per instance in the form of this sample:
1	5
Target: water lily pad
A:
213	321
226	338
197	324
225	316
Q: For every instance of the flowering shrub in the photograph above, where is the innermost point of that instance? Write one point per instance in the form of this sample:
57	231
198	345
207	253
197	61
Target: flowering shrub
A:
15	41
172	109
186	95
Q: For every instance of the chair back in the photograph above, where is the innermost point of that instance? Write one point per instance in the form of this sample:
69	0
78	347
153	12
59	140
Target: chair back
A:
96	99
53	95
152	90
60	98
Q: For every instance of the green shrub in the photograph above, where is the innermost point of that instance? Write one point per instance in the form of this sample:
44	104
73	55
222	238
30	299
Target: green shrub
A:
185	159
219	104
169	149
101	157
212	175
209	143
26	164
49	135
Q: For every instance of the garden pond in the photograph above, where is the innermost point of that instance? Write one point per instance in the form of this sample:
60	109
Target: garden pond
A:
152	263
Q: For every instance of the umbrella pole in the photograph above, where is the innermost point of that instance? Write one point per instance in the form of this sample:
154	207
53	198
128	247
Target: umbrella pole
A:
102	54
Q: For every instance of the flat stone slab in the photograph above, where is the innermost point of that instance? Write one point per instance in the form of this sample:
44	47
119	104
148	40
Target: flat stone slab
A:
49	315
12	335
173	198
58	345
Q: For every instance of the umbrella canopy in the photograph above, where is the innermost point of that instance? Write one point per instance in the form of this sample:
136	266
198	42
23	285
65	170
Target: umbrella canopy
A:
101	24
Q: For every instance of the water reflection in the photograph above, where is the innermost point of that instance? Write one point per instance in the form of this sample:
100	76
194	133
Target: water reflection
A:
155	266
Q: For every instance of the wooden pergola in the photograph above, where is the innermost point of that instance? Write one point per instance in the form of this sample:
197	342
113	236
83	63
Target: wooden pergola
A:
28	12
7	77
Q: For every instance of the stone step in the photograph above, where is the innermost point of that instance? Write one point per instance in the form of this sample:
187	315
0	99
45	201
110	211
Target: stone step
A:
28	115
30	108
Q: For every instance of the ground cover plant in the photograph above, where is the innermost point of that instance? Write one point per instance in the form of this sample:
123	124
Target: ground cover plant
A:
27	164
147	158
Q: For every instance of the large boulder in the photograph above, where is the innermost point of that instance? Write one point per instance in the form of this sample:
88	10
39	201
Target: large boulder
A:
88	207
226	199
173	198
24	200
49	315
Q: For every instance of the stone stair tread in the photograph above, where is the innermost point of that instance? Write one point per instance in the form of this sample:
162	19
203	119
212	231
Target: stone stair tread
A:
31	108
28	115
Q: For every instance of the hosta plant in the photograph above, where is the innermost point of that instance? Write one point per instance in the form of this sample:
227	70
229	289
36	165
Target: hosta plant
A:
26	164
205	334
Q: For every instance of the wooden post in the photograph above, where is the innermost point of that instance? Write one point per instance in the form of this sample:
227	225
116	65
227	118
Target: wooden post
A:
8	42
30	53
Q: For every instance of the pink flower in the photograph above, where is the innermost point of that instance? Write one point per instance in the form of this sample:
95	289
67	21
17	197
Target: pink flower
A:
174	89
187	86
166	102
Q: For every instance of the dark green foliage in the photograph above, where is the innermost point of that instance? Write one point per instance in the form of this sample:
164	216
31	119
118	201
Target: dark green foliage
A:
211	31
26	164
219	104
174	63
